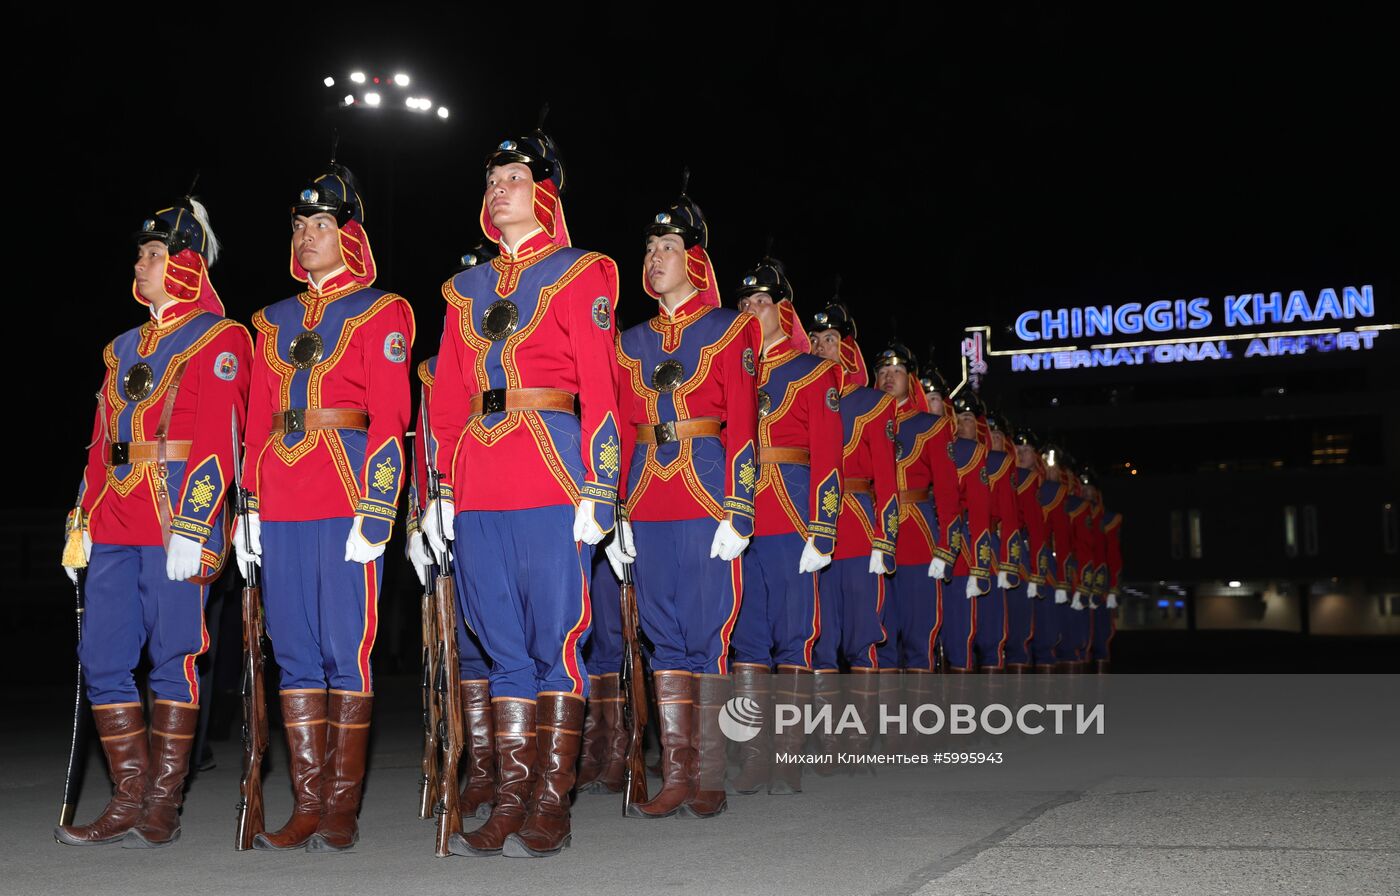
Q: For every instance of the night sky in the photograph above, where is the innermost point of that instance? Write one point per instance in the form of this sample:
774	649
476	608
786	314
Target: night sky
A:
951	167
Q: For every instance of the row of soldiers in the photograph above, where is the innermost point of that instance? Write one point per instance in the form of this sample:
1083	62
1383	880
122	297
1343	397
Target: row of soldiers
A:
782	520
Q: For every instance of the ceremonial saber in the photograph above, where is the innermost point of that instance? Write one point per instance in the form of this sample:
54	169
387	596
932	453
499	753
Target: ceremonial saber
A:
77	748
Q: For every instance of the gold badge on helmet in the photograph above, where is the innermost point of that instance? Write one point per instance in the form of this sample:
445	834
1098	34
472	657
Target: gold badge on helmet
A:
306	350
500	320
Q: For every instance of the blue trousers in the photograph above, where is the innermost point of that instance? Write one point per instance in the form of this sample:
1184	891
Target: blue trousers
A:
131	604
990	640
1020	625
1047	627
526	586
887	650
780	620
322	610
959	632
688	602
852	601
603	652
920	610
472	662
1103	632
1074	633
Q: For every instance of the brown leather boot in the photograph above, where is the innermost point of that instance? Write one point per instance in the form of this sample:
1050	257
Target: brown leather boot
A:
710	693
1044	668
514	721
752	682
793	684
590	762
172	735
304	721
827	691
480	788
1101	666
863	691
121	727
559	723
675	716
343	777
611	778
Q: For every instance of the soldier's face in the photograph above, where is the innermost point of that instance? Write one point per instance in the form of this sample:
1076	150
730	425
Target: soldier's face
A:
150	270
935	403
761	306
998	441
664	264
1025	457
967	426
510	195
827	345
316	243
893	379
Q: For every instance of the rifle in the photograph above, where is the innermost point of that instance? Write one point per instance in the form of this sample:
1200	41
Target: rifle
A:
427	777
77	747
632	683
449	723
250	793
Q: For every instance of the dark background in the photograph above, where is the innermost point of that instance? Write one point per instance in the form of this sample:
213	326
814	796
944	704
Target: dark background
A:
953	163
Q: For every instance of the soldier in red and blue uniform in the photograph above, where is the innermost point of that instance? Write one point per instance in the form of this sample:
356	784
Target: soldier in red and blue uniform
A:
853	588
1105	618
972	604
149	524
1037	561
1008	532
690	431
1059	566
798	506
327	410
524	413
929	508
1073	648
1096	575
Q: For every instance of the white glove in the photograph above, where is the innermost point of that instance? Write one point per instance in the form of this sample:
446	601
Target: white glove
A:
358	548
621	550
1093	604
87	555
877	562
247	554
436	524
972	590
727	544
1077	603
417	553
1112	602
937	569
182	558
586	528
1061	596
812	559
1032	590
1003	580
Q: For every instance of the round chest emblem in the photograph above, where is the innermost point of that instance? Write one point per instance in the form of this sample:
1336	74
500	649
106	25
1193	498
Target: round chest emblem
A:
307	348
138	382
765	404
668	375
748	361
500	320
833	399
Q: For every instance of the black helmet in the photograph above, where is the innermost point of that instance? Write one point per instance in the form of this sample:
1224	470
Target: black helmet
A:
537	152
683	218
184	225
897	353
997	422
333	193
832	317
967	402
481	253
767	276
1026	436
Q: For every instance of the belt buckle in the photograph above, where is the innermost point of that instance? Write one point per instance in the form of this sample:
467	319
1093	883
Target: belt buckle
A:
666	432
493	401
120	453
294	420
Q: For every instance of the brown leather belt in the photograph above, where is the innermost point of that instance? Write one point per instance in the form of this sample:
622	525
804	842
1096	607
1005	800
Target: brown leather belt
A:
309	419
675	430
915	495
513	401
779	455
119	453
858	487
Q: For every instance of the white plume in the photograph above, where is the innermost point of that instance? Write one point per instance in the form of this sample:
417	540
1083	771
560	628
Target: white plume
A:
211	242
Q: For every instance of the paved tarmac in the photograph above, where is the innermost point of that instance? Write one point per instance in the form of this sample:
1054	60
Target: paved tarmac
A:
900	831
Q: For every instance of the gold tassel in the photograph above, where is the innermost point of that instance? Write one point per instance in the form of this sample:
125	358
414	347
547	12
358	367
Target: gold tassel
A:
74	557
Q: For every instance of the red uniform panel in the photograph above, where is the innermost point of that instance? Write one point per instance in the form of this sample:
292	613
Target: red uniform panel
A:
1033	523
869	454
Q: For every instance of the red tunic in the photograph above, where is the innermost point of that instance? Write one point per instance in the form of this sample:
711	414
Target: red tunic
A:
868	453
924	469
1033	525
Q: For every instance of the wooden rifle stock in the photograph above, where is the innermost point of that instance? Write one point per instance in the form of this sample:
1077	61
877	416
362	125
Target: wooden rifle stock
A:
428	779
632	683
250	792
449	732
